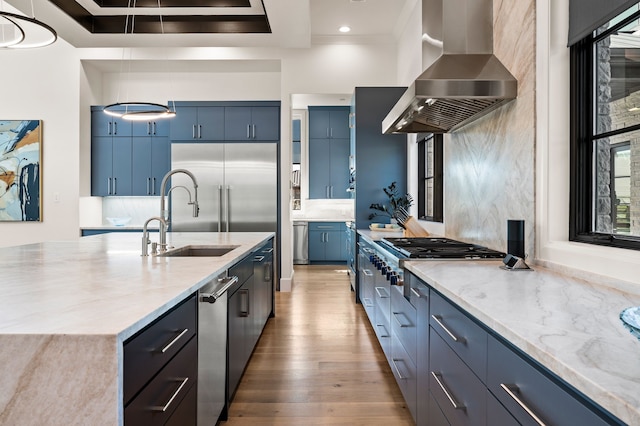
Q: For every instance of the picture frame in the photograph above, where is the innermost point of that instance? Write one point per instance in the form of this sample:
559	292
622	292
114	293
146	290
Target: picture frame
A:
20	170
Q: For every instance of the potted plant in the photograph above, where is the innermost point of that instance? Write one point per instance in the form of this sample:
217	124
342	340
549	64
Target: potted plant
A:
395	201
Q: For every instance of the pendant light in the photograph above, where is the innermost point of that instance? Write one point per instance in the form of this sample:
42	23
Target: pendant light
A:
23	32
138	111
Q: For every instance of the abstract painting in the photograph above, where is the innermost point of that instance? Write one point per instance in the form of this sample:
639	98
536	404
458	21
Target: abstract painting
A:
20	170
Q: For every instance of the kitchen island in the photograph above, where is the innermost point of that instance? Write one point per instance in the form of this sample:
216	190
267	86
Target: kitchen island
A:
67	307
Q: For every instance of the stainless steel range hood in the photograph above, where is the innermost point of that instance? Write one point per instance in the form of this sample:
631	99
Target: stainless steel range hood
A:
464	83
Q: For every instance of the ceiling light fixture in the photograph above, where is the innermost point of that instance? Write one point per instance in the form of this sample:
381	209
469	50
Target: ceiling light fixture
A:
344	29
138	111
23	32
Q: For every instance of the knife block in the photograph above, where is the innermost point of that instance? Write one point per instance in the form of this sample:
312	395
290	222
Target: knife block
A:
413	229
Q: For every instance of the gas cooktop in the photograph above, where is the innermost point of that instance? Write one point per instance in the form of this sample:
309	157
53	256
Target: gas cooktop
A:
439	248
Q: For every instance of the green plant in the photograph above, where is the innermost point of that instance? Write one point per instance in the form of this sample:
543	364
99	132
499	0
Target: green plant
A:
395	201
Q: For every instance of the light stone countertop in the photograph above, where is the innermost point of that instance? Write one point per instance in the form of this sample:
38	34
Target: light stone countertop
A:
570	326
66	307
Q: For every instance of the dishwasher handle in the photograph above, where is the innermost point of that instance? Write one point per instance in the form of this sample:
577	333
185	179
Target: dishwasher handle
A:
226	282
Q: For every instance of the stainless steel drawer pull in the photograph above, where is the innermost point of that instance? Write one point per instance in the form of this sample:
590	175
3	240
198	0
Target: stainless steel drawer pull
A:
212	297
384	332
165	407
453	402
258	258
397	315
367	302
511	391
395	367
416	292
367	272
380	295
438	319
171	343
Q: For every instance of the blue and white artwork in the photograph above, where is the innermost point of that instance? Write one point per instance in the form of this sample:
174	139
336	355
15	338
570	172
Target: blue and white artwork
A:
20	170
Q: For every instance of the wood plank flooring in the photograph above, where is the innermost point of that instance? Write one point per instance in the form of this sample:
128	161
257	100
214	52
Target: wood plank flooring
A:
318	361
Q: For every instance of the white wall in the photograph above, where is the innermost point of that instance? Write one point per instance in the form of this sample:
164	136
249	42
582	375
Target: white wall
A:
42	84
552	155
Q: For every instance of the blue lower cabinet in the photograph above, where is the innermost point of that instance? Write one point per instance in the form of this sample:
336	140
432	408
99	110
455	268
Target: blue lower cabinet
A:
327	242
89	232
436	417
497	414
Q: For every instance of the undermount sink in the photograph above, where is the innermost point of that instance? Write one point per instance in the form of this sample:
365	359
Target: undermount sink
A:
198	251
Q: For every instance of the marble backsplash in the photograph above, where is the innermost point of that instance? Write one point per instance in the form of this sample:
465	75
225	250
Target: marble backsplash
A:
490	164
139	209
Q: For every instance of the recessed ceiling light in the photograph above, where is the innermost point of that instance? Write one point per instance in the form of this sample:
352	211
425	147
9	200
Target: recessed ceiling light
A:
344	29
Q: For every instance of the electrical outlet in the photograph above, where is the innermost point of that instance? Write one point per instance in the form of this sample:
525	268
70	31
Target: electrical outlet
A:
56	197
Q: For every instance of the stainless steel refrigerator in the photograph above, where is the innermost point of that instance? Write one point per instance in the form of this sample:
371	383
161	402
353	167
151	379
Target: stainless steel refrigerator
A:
237	187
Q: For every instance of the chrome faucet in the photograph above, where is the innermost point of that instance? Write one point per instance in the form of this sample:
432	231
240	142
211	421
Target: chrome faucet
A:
164	211
145	235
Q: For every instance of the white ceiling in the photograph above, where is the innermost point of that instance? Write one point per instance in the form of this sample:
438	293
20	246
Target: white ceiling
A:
294	24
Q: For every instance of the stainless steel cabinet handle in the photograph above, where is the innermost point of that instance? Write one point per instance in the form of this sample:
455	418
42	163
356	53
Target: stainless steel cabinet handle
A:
352	120
327	132
115	127
438	319
245	294
165	407
148	127
269	250
331	134
109	128
154	128
254	131
219	208
148	186
109	186
331	191
416	292
384	332
380	295
115	185
212	297
199	131
367	302
248	131
453	402
397	315
175	339
228	208
325	227
367	272
395	367
153	187
258	258
193	131
509	389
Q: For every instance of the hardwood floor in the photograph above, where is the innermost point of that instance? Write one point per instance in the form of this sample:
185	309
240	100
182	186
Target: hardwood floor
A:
318	361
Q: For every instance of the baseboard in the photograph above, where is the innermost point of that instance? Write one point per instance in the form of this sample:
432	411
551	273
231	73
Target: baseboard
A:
286	283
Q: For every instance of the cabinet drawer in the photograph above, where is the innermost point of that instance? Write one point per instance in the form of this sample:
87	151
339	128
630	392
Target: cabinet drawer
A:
149	350
436	417
459	393
461	333
404	370
326	226
511	379
243	270
497	414
403	321
160	398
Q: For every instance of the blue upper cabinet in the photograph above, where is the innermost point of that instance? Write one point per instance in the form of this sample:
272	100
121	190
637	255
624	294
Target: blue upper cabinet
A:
151	161
255	123
329	152
198	123
152	127
295	140
103	124
329	123
111	160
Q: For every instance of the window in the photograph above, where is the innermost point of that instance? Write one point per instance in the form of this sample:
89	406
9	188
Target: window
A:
605	134
430	177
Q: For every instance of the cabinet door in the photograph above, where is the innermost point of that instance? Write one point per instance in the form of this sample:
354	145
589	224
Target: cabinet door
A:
319	168
295	131
237	123
151	128
122	166
334	243
237	334
316	246
141	170
184	124
295	152
101	124
420	299
101	165
265	122
319	123
211	123
339	169
339	123
160	162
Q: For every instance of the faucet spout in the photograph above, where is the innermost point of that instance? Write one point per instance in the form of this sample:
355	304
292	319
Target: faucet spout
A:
145	234
164	212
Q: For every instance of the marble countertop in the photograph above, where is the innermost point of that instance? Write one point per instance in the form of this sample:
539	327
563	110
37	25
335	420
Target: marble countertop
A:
66	307
570	326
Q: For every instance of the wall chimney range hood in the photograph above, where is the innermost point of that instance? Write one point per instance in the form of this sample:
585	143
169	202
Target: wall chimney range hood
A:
466	82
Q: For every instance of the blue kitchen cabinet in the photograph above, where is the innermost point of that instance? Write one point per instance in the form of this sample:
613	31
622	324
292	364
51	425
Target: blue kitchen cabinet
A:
327	241
111	162
330	122
151	161
295	142
198	123
328	168
160	127
259	123
103	124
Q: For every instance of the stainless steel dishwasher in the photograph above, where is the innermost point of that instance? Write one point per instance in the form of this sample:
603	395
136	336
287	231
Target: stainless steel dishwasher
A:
300	243
212	349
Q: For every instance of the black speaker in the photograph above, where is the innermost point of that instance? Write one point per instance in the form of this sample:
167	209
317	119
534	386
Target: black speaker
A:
515	238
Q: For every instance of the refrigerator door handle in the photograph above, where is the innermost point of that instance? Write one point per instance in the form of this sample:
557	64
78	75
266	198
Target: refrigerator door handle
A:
219	208
228	207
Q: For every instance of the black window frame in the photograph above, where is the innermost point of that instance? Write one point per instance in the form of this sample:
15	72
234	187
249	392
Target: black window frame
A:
582	136
437	177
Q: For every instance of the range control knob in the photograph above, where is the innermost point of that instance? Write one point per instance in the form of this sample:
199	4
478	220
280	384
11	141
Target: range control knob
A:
394	279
